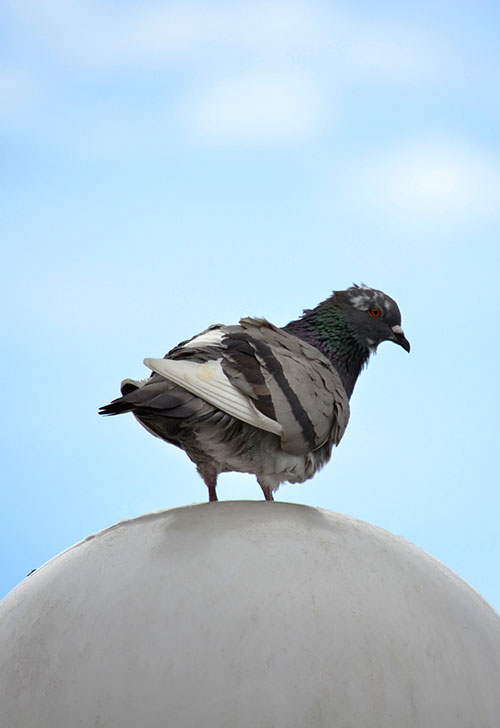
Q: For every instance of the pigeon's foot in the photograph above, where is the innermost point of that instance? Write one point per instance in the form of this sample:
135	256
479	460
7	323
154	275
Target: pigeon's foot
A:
266	489
209	475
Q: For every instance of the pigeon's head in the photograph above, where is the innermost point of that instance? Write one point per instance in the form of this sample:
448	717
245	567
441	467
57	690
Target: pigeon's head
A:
372	315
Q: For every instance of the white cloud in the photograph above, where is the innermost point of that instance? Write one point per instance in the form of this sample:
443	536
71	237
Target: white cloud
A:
102	37
96	35
319	49
429	182
256	107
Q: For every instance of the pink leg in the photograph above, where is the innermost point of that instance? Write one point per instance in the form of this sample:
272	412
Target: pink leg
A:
209	475
268	493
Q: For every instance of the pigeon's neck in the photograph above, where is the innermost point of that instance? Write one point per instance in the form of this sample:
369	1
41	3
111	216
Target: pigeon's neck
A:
329	331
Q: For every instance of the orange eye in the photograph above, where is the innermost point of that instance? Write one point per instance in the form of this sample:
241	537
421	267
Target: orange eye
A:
375	312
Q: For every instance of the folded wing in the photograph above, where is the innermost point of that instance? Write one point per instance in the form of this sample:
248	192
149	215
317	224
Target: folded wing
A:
265	377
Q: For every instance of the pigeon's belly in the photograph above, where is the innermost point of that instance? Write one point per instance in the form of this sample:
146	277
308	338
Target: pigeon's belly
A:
285	467
249	450
227	444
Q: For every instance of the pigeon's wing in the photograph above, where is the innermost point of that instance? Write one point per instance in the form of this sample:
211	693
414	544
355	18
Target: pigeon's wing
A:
208	382
288	381
254	372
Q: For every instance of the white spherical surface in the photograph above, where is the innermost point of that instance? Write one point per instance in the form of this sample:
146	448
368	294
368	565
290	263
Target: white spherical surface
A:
247	615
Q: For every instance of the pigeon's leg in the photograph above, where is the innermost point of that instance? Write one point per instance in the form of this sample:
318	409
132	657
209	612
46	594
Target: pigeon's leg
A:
266	489
209	475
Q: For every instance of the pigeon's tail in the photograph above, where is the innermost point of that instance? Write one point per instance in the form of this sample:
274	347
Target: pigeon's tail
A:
155	396
122	404
116	407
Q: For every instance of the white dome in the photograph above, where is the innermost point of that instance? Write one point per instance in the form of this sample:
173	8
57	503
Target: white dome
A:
247	615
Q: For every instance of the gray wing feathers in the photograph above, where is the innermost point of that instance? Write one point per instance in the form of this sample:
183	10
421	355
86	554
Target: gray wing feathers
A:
287	380
295	384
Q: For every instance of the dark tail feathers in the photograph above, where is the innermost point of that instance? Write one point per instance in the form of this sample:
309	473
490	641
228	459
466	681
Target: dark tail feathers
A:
120	405
116	407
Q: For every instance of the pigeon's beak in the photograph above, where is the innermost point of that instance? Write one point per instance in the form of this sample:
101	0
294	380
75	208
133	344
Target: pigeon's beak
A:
398	336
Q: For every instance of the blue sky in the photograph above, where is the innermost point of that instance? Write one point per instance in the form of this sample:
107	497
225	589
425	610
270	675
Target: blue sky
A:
170	165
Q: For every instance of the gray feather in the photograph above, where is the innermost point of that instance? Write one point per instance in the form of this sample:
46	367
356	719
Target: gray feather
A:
300	382
300	377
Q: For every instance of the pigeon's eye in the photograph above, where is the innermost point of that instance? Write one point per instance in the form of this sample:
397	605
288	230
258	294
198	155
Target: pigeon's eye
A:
375	312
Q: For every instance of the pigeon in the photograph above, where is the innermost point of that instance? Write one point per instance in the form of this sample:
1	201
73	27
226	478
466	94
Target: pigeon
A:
256	398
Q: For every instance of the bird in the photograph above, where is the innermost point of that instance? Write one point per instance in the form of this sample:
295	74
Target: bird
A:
256	398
